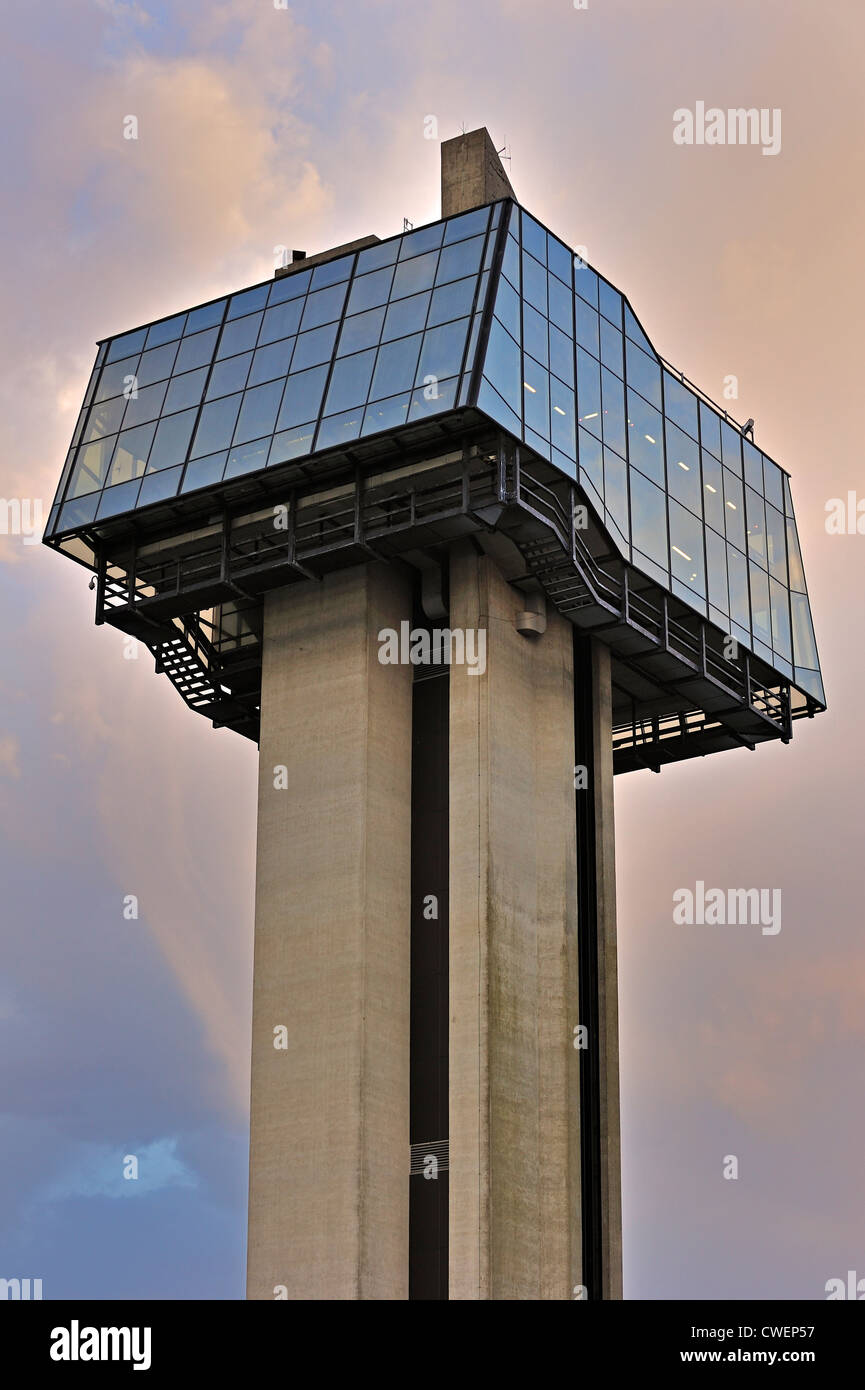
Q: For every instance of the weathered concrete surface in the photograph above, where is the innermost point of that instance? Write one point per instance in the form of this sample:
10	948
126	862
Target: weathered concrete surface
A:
514	1079
608	1001
328	1205
472	173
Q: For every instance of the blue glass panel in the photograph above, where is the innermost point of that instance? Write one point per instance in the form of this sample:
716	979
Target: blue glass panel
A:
507	308
536	398
249	457
613	399
586	283
130	454
804	646
562	418
753	466
534	238
772	483
430	400
302	399
116	377
710	430
156	365
559	260
368	291
424	239
534	283
258	413
538	443
680	405
105	419
155	487
195	351
713	492
292	444
360	331
561	305
616	491
535	335
492	404
502	364
239	335
756	525
645	438
634	331
166	331
396	366
229	376
172	440
466	225
349	383
716	564
79	513
145	405
686	549
339	429
589	392
779	604
406	316
281	321
453	301
587	328
118	499
591	460
312	348
271	361
386	415
644	374
204	472
648	518
375	257
562	355
290	286
332	272
683	468
208	316
731	446
415	275
463	258
760	622
442	351
511	262
216	425
776	548
248	301
91	466
612	348
734	510
128	345
323	306
610	303
740	609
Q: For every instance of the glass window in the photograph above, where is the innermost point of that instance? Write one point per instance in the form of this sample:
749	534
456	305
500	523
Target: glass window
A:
559	260
753	466
466	225
562	418
442	352
716	564
105	419
492	404
369	291
502	363
144	406
589	392
349	382
115	500
406	316
683	468
378	257
204	472
645	438
396	366
713	492
780	606
184	391
116	378
428	400
216	425
360	331
208	316
507	308
229	376
339	429
648	519
586	282
156	364
128	345
561	305
314	347
290	286
680	405
166	331
756	526
534	283
760	604
415	275
612	348
591	461
249	457
613	396
644	374
772	479
734	510
157	486
535	335
616	491
562	356
686	549
258	413
804	646
282	321
80	512
172	441
587	328
794	556
423	240
737	568
92	466
130	455
511	262
463	258
534	238
731	447
710	430
248	301
454	301
332	272
195	351
536	398
271	361
302	399
292	444
239	335
323	306
610	303
635	332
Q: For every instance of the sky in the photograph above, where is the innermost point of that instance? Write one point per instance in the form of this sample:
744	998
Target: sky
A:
305	126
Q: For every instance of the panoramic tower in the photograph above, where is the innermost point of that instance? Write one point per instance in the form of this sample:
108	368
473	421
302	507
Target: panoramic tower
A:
430	520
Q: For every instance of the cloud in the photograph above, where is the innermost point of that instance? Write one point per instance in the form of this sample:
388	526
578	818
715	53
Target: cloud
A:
97	1170
9	750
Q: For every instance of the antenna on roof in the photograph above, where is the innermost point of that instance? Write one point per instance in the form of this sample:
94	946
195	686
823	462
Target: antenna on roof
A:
501	152
406	225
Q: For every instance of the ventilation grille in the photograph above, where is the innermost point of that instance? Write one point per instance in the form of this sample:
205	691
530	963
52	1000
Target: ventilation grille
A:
435	1148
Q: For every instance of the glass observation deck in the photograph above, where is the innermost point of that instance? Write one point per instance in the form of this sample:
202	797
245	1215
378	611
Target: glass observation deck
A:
484	314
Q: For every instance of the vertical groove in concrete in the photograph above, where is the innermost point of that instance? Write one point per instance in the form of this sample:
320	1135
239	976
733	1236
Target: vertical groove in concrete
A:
608	1010
514	1093
329	1145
